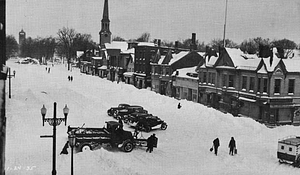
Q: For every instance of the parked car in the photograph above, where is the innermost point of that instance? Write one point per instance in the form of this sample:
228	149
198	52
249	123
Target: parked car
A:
135	117
288	150
123	113
112	110
148	122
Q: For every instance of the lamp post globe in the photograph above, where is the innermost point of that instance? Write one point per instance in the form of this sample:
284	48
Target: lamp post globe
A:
43	112
66	112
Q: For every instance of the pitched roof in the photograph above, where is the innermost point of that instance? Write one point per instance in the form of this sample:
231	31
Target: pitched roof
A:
241	60
178	56
292	65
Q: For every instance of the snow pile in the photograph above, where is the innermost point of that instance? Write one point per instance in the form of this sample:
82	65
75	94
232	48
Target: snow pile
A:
182	149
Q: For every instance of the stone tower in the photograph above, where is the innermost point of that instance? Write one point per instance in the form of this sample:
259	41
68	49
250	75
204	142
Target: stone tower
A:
22	37
105	34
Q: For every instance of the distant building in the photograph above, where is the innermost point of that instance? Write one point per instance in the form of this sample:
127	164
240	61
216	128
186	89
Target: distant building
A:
105	33
22	37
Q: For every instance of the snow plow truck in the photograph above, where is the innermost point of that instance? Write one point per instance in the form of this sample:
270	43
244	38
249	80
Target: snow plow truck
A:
111	135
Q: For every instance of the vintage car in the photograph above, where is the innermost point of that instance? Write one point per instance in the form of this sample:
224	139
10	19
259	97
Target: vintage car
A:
112	110
123	113
146	123
134	117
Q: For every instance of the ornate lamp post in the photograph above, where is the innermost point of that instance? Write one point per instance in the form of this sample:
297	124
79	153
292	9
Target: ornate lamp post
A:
54	122
72	141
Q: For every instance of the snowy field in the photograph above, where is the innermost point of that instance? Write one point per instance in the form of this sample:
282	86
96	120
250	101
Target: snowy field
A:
182	149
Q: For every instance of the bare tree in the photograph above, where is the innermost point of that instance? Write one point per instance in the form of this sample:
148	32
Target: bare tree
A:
66	38
118	38
284	47
11	46
144	37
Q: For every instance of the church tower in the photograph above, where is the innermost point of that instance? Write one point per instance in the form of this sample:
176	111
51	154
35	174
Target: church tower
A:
22	37
105	34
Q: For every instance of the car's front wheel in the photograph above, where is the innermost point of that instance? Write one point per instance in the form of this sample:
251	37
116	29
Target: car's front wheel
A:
164	126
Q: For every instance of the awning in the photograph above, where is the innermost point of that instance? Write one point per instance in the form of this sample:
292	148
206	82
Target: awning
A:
104	67
247	99
128	74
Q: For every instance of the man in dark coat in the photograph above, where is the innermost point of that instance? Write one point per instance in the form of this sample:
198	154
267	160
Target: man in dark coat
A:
231	146
151	142
216	144
64	150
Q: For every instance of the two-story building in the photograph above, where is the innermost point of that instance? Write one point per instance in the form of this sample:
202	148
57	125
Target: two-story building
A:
185	83
246	85
162	70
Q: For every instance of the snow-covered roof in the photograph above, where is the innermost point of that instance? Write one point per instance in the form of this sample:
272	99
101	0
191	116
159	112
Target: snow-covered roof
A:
292	65
129	51
183	73
160	61
146	44
79	53
178	56
212	60
122	45
243	61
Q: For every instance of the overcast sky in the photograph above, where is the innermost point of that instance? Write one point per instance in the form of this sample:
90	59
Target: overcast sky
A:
166	20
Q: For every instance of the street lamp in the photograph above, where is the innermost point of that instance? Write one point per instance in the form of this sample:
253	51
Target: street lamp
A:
54	122
72	141
9	81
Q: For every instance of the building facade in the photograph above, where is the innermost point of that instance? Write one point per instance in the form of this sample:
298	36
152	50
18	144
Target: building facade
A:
247	85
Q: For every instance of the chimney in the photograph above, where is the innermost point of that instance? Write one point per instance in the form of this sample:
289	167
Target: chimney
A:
193	45
176	44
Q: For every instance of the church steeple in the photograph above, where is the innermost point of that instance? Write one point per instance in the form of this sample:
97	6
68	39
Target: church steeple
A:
105	34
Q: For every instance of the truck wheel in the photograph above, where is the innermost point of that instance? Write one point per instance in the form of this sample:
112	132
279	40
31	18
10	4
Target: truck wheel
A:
86	147
127	146
164	126
109	113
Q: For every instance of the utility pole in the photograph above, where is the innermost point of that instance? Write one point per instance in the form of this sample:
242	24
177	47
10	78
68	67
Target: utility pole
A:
224	44
2	85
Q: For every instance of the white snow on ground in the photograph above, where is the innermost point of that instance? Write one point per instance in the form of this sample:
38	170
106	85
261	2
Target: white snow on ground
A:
182	149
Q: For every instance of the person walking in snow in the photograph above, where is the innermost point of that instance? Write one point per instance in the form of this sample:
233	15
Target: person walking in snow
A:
178	106
64	150
151	142
49	70
231	146
216	144
71	78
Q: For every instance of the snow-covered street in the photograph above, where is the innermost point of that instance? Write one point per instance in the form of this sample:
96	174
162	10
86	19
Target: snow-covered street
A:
182	149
